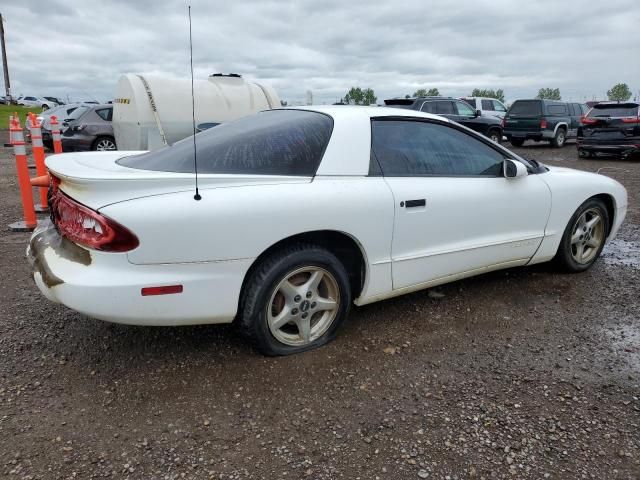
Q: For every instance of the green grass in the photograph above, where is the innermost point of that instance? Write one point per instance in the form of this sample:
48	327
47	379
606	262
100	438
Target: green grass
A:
6	110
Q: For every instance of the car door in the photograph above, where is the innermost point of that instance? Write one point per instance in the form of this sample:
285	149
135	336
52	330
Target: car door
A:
499	110
455	212
466	116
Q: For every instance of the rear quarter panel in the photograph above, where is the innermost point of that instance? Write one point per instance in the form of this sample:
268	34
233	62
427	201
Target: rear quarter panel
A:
242	222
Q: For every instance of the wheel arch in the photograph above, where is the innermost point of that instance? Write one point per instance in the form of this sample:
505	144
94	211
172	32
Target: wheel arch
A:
343	245
564	125
609	202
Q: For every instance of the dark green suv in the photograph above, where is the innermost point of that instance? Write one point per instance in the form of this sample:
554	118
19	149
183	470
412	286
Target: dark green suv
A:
542	120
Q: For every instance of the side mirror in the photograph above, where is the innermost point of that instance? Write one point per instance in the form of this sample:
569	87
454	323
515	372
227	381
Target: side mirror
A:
478	113
513	169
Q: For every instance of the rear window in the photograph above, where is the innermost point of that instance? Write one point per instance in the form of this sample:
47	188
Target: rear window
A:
616	110
525	107
275	142
77	113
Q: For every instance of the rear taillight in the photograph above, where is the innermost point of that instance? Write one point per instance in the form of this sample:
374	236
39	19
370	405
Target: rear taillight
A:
87	227
543	124
587	121
630	120
503	123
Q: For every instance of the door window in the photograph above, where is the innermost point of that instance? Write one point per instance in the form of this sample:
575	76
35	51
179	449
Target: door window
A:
464	109
498	107
487	105
413	148
445	107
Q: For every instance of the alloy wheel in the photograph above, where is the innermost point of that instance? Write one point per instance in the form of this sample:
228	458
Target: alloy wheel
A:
105	144
303	306
587	236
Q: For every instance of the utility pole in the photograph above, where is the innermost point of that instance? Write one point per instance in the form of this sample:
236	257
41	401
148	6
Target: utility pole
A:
5	65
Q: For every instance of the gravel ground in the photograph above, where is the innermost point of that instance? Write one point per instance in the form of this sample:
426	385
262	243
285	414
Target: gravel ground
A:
519	374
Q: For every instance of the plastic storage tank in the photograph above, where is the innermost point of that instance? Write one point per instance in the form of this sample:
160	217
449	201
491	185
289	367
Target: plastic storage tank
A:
150	112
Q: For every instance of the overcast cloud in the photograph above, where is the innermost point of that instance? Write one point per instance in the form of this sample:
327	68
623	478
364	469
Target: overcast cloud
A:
80	49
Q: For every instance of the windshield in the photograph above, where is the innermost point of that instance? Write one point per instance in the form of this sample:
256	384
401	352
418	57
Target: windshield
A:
614	110
525	107
274	142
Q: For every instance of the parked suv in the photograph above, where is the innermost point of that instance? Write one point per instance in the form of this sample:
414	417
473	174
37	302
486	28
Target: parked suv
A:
89	127
455	110
542	120
611	127
489	107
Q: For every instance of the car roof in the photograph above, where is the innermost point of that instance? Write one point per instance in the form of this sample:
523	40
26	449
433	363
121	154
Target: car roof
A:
367	111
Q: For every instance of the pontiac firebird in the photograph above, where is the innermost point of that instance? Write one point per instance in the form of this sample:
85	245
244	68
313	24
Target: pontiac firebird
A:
302	213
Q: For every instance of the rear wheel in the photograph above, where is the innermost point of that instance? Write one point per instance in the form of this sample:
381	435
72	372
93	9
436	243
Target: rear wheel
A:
495	135
45	107
104	144
584	154
584	236
517	142
558	140
295	300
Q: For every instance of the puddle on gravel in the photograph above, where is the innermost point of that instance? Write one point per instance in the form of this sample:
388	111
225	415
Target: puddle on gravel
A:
625	340
622	252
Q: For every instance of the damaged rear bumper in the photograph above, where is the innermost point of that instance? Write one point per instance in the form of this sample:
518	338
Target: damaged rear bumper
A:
108	287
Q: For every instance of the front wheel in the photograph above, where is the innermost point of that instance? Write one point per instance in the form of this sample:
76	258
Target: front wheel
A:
517	142
295	300
45	107
584	237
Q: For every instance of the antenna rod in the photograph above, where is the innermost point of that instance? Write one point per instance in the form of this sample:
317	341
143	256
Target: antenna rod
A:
193	112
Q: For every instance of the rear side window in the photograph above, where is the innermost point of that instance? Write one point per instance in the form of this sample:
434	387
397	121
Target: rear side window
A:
557	109
471	102
429	107
525	108
614	110
413	148
105	113
487	105
275	142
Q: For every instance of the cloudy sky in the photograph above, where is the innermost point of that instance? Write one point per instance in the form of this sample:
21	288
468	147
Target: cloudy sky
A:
79	49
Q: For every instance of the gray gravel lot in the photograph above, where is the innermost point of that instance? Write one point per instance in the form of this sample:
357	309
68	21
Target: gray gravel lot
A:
520	374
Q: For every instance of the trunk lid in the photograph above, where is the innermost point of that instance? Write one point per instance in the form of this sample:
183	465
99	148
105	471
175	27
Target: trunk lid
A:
96	180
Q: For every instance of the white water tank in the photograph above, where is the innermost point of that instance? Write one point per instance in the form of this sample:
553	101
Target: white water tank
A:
150	112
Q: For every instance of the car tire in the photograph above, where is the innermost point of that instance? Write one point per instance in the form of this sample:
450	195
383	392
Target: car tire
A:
584	237
45	107
559	138
517	142
104	143
495	135
280	308
584	154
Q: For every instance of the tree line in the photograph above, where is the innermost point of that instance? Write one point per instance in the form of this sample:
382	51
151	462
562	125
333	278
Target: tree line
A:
359	96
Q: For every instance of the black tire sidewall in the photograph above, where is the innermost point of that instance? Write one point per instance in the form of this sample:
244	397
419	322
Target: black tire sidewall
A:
517	143
564	256
555	142
260	288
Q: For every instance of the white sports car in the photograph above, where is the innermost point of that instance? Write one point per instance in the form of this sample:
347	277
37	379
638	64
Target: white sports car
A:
302	212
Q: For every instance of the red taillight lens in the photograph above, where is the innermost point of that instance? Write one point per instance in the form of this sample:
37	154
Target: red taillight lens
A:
587	121
86	227
503	123
630	120
543	124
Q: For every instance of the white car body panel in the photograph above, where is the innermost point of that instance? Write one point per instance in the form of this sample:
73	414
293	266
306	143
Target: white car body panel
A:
477	224
469	225
486	112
